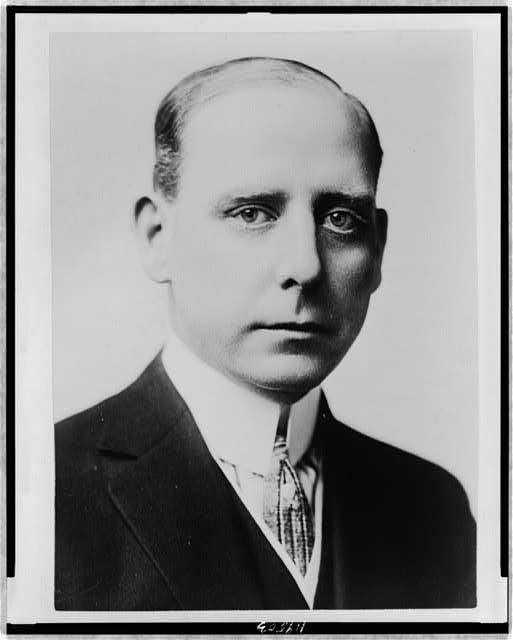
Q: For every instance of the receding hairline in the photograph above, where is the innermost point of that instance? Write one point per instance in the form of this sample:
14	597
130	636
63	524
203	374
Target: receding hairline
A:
205	85
248	68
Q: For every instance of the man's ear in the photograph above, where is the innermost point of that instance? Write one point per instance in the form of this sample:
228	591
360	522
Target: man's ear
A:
151	228
379	247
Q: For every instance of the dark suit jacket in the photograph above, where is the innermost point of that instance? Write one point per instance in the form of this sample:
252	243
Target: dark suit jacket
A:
146	520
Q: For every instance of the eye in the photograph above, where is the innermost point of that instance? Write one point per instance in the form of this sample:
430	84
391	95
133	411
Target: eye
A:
253	216
342	221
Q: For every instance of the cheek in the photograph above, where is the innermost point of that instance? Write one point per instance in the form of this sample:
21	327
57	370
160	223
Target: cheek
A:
211	281
350	278
352	270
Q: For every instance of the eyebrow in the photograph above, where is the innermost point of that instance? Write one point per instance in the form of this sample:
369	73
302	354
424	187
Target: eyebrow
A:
361	202
233	200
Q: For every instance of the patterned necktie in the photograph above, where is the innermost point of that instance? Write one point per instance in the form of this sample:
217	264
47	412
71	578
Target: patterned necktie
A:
286	509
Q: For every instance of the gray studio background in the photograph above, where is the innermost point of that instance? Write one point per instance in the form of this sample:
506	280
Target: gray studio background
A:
412	376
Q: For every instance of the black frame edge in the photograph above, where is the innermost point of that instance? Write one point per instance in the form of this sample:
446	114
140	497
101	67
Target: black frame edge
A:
505	299
218	628
250	8
9	277
251	628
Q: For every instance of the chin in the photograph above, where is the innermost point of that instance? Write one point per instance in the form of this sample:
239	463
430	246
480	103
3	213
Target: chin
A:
288	377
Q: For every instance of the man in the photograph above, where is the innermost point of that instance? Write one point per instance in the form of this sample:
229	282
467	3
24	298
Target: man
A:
220	479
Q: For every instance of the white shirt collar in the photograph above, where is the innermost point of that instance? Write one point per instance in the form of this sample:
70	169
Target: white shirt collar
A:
238	426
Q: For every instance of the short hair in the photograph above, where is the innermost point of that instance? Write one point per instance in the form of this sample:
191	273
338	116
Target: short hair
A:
202	86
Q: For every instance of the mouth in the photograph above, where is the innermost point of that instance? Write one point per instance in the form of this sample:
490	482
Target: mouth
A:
306	328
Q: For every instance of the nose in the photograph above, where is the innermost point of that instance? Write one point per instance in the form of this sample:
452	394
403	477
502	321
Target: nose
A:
299	262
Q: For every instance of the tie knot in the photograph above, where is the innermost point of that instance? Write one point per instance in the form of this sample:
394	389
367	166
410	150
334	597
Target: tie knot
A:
280	447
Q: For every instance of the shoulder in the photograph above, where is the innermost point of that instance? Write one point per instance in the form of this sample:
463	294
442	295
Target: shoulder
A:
407	491
389	467
405	518
78	437
397	465
124	425
75	439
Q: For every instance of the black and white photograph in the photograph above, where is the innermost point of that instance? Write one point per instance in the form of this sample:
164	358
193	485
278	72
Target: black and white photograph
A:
258	319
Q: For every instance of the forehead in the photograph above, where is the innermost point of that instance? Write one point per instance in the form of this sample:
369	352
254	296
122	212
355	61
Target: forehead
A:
281	137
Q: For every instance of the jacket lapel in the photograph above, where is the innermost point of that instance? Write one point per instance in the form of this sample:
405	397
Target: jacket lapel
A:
353	562
184	512
330	593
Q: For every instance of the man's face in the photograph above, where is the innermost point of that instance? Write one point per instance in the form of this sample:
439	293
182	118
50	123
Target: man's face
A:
272	244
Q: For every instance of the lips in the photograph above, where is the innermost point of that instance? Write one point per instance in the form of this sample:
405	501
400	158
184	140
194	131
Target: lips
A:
298	327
